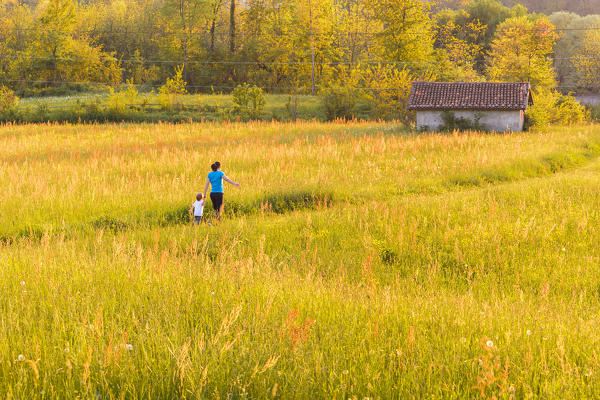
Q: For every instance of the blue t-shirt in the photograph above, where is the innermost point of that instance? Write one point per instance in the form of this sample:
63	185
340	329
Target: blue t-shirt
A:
216	181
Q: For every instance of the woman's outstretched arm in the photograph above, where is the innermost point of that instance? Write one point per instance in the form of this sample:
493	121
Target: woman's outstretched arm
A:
230	181
206	187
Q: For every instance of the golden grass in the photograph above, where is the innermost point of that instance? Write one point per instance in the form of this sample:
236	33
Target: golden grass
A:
442	266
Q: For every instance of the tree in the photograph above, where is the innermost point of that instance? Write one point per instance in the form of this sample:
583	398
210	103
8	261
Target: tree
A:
232	26
355	33
586	60
215	7
459	46
570	44
407	33
278	37
54	54
520	52
184	19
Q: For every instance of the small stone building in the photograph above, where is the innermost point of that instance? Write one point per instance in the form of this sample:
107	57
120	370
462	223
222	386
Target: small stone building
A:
496	106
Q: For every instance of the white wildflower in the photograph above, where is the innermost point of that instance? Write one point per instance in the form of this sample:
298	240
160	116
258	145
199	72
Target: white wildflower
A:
463	340
22	283
563	249
511	389
489	343
528	332
21	357
129	347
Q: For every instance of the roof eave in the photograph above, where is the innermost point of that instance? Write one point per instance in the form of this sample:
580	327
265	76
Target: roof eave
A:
464	109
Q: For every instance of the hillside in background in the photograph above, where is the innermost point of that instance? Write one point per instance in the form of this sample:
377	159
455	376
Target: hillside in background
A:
581	7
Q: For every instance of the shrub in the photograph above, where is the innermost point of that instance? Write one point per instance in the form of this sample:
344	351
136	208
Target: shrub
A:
340	103
377	92
570	112
594	112
248	101
169	93
120	101
8	100
551	107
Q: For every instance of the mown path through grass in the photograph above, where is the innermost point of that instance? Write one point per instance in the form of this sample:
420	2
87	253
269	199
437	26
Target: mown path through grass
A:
278	202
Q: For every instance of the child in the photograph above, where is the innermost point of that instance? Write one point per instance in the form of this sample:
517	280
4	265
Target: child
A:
197	209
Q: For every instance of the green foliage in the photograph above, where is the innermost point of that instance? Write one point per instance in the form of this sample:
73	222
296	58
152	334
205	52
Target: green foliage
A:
551	107
519	52
400	20
340	103
576	40
120	101
388	90
459	46
586	61
8	100
63	42
383	95
248	101
594	112
169	94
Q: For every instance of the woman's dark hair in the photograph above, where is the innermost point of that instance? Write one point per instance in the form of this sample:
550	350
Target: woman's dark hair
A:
214	167
218	164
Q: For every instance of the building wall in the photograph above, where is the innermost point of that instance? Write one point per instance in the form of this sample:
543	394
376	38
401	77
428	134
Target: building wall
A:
498	121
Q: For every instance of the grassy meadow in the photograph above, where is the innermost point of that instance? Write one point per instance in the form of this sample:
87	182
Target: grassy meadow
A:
95	105
357	260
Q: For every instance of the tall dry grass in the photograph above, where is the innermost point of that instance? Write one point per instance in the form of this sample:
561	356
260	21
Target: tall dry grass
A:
362	261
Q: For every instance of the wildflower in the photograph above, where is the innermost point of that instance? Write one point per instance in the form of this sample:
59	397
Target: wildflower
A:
588	373
67	350
463	340
563	249
22	283
21	357
528	332
399	352
129	347
345	372
212	293
511	389
489	343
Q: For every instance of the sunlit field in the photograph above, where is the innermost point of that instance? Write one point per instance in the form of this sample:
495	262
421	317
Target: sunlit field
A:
357	260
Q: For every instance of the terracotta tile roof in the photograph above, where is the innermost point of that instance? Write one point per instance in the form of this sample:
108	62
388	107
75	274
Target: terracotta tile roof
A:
469	96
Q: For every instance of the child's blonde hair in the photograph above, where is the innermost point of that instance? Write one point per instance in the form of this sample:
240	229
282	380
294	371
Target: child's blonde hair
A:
199	196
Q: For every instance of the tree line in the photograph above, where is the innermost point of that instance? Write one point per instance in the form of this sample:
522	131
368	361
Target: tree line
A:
372	49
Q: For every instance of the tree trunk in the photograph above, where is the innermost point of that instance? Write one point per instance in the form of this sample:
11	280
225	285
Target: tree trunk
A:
232	27
212	36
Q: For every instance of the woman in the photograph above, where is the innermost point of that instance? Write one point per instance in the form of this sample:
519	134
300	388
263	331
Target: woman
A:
215	179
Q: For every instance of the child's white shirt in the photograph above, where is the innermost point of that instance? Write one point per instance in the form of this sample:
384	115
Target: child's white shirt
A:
198	208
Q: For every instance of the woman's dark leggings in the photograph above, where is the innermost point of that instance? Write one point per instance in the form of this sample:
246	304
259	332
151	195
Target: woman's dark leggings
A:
217	202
